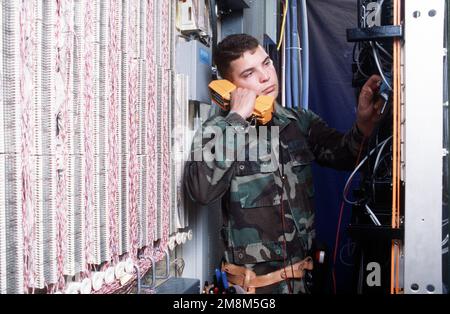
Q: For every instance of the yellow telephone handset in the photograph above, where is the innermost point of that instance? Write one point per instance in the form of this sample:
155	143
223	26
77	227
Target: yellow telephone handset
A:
221	92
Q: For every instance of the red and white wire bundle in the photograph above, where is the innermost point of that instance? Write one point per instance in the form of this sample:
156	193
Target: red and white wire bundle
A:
88	129
151	113
64	41
133	63
165	43
27	136
113	145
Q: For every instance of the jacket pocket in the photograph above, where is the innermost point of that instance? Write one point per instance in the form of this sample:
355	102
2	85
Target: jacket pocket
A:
257	186
301	161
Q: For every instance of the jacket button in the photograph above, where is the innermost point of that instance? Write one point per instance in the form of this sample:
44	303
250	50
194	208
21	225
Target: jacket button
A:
278	251
241	167
241	256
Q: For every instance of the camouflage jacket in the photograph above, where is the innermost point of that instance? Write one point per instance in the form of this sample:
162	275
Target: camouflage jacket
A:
257	193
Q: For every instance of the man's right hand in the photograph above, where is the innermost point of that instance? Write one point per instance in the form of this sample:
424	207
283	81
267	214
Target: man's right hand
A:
243	101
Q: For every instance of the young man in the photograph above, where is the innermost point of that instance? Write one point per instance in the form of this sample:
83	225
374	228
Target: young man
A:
268	211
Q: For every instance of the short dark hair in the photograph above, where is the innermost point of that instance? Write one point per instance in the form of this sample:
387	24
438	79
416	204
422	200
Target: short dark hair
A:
231	48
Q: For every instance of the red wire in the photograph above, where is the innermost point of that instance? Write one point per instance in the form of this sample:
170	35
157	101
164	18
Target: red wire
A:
336	244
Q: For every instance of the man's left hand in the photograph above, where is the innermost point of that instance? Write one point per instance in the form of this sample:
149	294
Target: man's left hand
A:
369	105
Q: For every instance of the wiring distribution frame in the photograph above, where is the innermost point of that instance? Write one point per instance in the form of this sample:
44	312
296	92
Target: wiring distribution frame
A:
423	114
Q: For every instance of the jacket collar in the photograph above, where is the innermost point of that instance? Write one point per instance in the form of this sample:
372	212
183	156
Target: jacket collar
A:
282	116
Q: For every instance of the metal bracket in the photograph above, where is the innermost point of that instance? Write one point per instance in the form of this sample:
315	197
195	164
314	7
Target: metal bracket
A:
374	33
167	275
141	286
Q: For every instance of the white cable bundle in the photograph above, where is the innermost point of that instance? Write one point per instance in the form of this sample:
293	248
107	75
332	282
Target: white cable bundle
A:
129	266
172	243
73	288
184	237
110	275
119	269
86	286
98	278
179	238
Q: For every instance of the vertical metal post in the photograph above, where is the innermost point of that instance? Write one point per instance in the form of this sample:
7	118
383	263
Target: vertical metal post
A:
423	79
447	229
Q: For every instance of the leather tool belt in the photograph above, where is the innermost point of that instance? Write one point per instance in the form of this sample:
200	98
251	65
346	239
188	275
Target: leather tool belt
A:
247	279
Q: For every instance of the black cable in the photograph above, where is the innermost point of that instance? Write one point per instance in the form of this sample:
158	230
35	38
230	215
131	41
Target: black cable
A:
213	21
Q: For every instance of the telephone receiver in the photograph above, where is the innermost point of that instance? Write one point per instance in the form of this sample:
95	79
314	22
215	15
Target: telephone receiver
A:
221	94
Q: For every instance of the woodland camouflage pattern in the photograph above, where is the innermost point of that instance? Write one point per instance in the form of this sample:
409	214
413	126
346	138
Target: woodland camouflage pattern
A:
255	195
